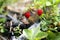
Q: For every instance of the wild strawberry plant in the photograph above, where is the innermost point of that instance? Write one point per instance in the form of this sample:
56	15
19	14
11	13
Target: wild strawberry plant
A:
49	15
50	19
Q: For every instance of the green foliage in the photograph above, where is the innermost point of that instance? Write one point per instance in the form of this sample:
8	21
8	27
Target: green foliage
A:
34	34
2	20
1	29
53	36
17	31
42	3
49	19
3	4
51	16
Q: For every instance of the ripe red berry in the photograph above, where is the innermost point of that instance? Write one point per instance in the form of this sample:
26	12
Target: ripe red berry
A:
27	14
39	12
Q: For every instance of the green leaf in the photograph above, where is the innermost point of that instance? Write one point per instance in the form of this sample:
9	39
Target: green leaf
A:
41	35
1	29
57	37
51	35
2	20
27	33
48	3
57	1
34	34
39	3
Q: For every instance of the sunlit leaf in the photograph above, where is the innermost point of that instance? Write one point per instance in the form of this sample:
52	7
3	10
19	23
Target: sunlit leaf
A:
27	33
48	3
42	35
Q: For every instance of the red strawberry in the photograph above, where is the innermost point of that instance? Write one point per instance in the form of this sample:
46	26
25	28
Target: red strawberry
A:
39	12
27	14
